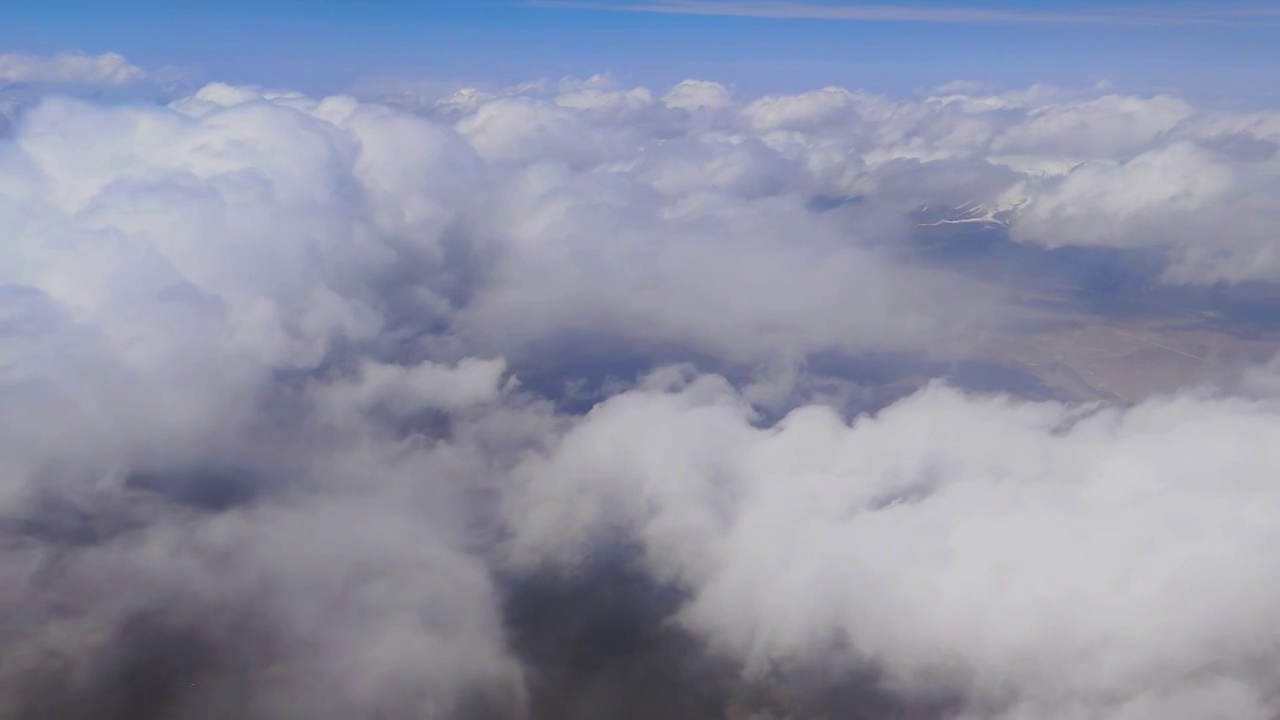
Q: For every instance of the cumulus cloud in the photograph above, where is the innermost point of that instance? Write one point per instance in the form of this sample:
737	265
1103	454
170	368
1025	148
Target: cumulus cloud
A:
1036	559
295	397
695	94
70	68
1189	199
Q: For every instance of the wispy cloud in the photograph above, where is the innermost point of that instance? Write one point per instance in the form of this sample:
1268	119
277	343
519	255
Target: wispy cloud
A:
104	69
783	10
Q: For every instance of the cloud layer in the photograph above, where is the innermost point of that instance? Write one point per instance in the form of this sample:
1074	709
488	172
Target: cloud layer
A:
1038	560
70	68
343	408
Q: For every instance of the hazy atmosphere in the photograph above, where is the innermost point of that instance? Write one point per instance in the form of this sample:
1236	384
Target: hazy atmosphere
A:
639	360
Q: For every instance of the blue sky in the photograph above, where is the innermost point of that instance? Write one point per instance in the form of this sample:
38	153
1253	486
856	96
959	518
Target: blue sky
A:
320	45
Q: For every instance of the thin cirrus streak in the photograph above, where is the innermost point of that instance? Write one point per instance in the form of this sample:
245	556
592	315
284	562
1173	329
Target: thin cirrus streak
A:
925	14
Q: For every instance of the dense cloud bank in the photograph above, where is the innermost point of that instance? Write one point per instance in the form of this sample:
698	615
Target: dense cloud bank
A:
569	400
1037	559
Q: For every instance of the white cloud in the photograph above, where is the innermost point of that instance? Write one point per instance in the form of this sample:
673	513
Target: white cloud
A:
73	68
695	94
1037	559
1120	203
1111	126
1209	212
407	390
314	307
810	111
